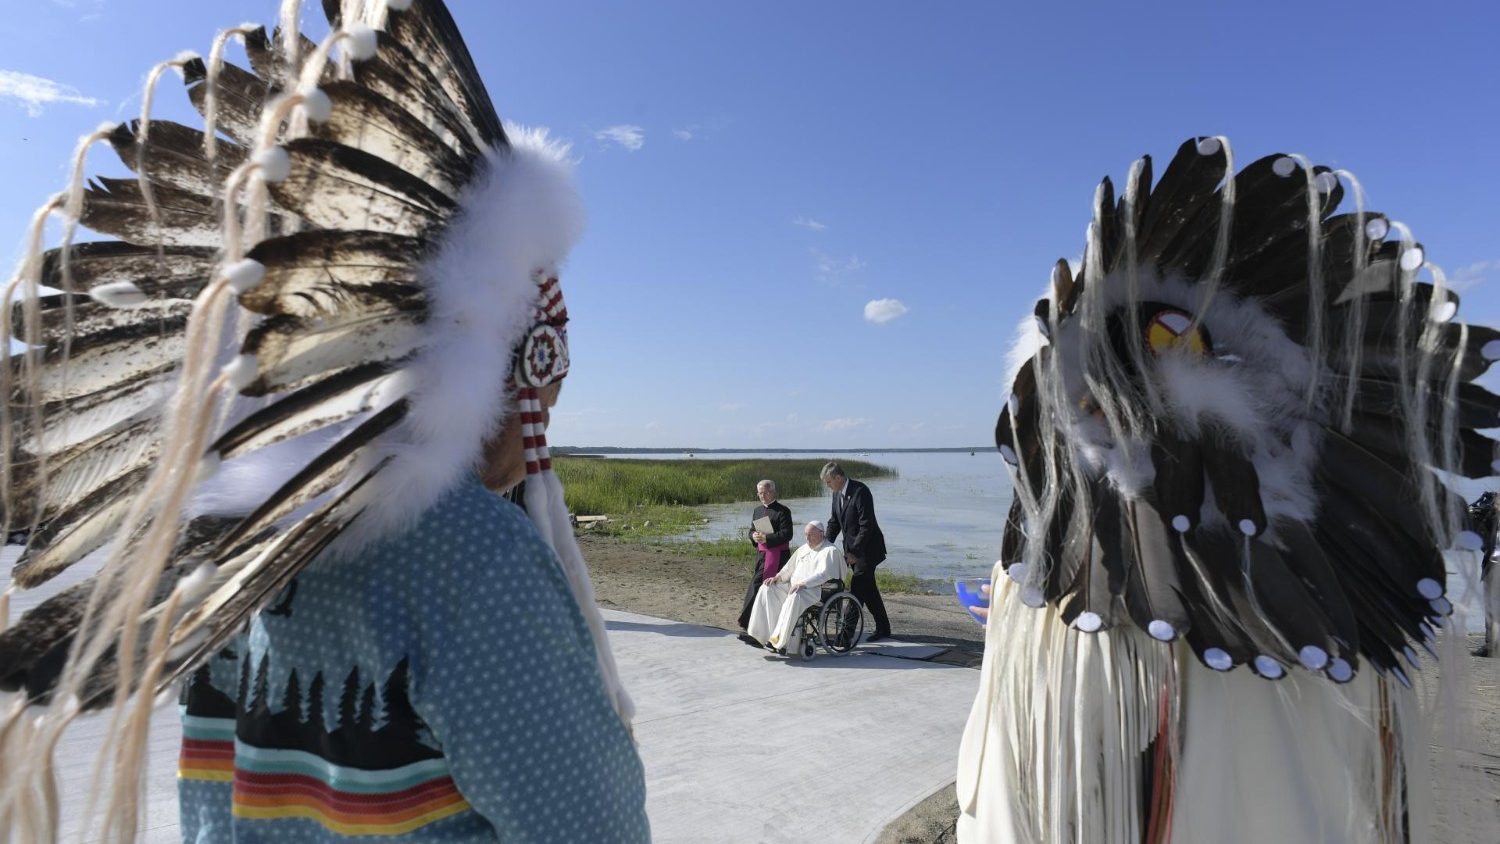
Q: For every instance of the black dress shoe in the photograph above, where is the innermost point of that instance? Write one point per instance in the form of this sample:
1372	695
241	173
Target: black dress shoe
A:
748	639
878	635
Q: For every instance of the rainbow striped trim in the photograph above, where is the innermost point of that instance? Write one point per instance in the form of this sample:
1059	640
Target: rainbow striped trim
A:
274	784
207	749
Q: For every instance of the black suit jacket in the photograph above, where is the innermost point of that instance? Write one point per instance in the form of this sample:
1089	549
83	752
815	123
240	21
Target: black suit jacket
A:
855	519
781	520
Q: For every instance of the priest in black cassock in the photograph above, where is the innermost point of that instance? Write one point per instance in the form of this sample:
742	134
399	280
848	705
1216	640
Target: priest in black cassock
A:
771	549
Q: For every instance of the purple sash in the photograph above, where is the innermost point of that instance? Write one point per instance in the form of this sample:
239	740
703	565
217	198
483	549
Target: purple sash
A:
773	560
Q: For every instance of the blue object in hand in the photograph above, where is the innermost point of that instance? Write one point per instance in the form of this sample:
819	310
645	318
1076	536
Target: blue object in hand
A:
970	596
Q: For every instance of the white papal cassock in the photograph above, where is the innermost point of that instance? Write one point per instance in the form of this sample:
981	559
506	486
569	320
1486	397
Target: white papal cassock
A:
773	618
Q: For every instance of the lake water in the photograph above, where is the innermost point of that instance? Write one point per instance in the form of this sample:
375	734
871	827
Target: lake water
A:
942	517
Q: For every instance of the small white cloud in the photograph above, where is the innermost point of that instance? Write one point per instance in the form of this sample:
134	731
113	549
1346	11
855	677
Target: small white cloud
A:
33	92
653	425
683	134
882	311
627	135
810	224
844	424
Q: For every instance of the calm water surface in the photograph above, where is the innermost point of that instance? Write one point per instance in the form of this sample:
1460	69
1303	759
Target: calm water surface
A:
942	517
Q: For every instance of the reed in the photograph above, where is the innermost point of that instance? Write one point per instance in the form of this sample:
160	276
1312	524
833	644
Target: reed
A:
651	501
617	487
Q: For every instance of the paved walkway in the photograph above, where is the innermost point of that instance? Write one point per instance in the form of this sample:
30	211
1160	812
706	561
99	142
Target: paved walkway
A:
739	746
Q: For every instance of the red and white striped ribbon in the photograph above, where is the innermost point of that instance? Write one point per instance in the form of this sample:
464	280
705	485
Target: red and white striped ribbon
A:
550	301
534	432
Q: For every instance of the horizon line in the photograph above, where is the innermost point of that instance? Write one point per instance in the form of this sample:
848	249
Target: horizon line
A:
737	449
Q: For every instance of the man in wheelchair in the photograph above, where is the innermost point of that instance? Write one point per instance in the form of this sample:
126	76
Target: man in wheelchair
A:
776	617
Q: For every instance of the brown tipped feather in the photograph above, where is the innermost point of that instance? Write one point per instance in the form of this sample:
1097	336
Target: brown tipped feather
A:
311	273
73	534
312	408
176	272
241	96
174	157
427	30
337	187
116	207
289	351
364	120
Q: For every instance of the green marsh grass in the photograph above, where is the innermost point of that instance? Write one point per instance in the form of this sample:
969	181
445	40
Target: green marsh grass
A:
609	487
650	501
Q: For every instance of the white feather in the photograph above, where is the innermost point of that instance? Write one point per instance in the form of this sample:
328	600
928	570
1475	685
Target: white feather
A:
1028	342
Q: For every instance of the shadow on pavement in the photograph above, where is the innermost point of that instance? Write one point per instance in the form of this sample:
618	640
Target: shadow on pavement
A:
690	631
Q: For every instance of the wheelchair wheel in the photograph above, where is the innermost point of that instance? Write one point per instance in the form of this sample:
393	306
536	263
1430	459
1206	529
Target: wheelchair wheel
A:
841	623
809	648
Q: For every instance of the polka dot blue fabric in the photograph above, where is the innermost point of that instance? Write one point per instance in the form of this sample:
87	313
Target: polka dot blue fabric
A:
441	686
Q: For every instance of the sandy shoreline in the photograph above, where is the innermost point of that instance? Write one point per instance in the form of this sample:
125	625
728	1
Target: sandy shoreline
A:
661	581
667	583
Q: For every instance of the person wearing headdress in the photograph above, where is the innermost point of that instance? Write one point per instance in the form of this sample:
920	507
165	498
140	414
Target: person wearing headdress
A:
280	403
784	597
1226	546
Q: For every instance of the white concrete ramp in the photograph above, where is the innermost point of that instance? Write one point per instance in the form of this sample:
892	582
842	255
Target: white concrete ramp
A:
742	746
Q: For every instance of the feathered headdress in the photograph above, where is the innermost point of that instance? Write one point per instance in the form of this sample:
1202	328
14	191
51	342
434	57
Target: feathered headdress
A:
316	310
1232	420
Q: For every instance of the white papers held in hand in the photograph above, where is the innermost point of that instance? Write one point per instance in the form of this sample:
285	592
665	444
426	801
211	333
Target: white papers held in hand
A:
763	524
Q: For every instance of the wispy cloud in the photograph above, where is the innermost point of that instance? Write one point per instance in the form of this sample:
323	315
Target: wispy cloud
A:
835	270
92	10
845	424
685	134
34	92
731	407
627	135
882	311
1473	275
810	224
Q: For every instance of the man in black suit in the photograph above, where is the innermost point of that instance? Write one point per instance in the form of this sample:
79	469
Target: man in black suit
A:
773	545
864	544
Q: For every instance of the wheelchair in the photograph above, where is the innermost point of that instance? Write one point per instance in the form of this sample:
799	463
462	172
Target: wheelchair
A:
835	623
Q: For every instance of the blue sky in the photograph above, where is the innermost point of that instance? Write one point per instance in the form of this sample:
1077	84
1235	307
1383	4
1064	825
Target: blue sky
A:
757	173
